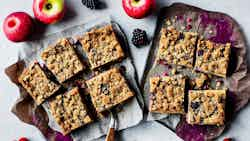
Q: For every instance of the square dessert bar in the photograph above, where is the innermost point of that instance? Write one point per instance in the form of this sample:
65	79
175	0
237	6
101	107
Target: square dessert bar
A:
206	107
101	46
212	57
37	84
62	60
176	47
108	89
69	111
167	94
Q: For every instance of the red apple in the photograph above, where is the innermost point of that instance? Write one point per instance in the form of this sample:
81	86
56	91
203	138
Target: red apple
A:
18	26
138	8
48	11
23	139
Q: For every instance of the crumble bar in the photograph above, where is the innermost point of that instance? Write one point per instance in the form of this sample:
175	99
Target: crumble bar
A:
212	57
37	84
69	111
206	107
62	60
176	47
167	94
101	46
108	89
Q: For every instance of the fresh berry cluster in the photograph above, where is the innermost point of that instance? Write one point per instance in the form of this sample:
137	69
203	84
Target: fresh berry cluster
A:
139	37
92	4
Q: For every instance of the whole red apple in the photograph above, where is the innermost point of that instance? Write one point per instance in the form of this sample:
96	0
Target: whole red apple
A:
138	8
23	139
18	26
48	11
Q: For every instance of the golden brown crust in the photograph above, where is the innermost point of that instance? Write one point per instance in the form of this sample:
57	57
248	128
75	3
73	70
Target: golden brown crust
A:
36	83
212	57
62	60
177	47
69	111
167	94
101	46
108	89
206	107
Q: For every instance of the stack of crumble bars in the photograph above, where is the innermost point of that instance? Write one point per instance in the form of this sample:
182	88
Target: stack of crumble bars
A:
107	89
187	49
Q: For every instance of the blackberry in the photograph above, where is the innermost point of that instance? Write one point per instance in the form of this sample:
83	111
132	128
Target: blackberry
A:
92	4
181	36
139	37
195	105
200	52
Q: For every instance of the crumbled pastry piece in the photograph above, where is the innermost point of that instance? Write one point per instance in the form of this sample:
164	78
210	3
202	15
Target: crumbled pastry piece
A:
167	94
200	80
62	60
219	84
179	67
206	107
108	89
69	111
168	22
101	46
37	84
173	71
177	47
212	57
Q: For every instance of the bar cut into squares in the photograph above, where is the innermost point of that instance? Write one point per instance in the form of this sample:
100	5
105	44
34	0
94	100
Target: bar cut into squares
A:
37	84
101	46
69	111
177	48
108	89
167	94
206	107
62	60
212	57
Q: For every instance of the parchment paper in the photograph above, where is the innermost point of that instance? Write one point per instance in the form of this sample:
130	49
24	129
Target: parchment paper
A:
128	115
219	28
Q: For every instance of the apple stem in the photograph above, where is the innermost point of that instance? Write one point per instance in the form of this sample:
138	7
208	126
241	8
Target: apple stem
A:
48	6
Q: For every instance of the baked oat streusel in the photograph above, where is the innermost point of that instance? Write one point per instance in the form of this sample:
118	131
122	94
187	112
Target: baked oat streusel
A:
206	107
176	47
62	60
200	81
212	57
69	111
101	46
37	84
167	94
108	89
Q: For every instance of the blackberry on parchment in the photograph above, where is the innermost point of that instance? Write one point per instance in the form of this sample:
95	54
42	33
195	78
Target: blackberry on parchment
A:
139	37
92	4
